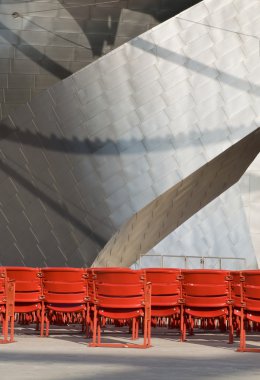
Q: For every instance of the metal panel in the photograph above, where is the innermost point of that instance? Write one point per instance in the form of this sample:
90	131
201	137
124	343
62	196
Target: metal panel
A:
52	40
167	212
59	159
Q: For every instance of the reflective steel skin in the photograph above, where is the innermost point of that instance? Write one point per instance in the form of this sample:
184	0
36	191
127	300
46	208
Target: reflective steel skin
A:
167	212
81	158
43	42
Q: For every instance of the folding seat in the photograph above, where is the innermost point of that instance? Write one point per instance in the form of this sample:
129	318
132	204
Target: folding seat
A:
90	310
120	294
7	289
207	296
29	303
65	293
166	300
249	306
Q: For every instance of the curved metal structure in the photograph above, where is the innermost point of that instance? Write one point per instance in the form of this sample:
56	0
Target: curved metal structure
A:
43	42
80	159
158	219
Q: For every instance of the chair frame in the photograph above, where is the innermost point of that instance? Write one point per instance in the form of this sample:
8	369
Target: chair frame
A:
97	317
29	294
244	312
162	304
7	304
234	296
61	304
210	311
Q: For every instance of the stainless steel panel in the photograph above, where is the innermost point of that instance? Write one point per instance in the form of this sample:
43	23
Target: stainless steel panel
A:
60	161
162	216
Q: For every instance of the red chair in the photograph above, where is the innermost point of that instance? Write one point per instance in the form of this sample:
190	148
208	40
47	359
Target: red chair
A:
166	300
7	289
65	293
29	304
248	307
90	310
207	296
121	295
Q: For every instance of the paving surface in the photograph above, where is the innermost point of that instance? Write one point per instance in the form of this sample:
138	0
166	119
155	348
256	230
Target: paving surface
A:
67	356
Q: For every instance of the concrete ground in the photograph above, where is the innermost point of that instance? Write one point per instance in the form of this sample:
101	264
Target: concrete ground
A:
66	355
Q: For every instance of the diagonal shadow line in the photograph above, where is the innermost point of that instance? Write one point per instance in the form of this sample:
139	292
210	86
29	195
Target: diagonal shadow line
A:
96	44
65	214
196	66
89	146
77	146
85	146
44	61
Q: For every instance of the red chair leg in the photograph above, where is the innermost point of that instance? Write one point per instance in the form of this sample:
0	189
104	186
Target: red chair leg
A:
5	329
137	328
94	338
182	324
11	329
231	326
184	337
133	328
42	319
47	331
191	325
149	333
99	332
242	345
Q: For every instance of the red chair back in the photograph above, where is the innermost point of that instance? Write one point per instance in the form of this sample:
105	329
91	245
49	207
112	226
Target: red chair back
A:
120	294
251	290
2	288
119	288
64	285
63	274
166	290
28	284
236	288
206	288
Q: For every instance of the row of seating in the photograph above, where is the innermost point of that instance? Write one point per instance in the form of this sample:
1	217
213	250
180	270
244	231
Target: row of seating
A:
138	299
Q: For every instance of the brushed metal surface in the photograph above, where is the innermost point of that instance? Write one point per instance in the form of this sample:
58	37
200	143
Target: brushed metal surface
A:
80	159
43	42
167	212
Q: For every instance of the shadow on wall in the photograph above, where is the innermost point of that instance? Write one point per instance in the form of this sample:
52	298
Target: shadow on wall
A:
58	208
90	146
87	146
35	55
198	67
104	32
75	145
100	29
